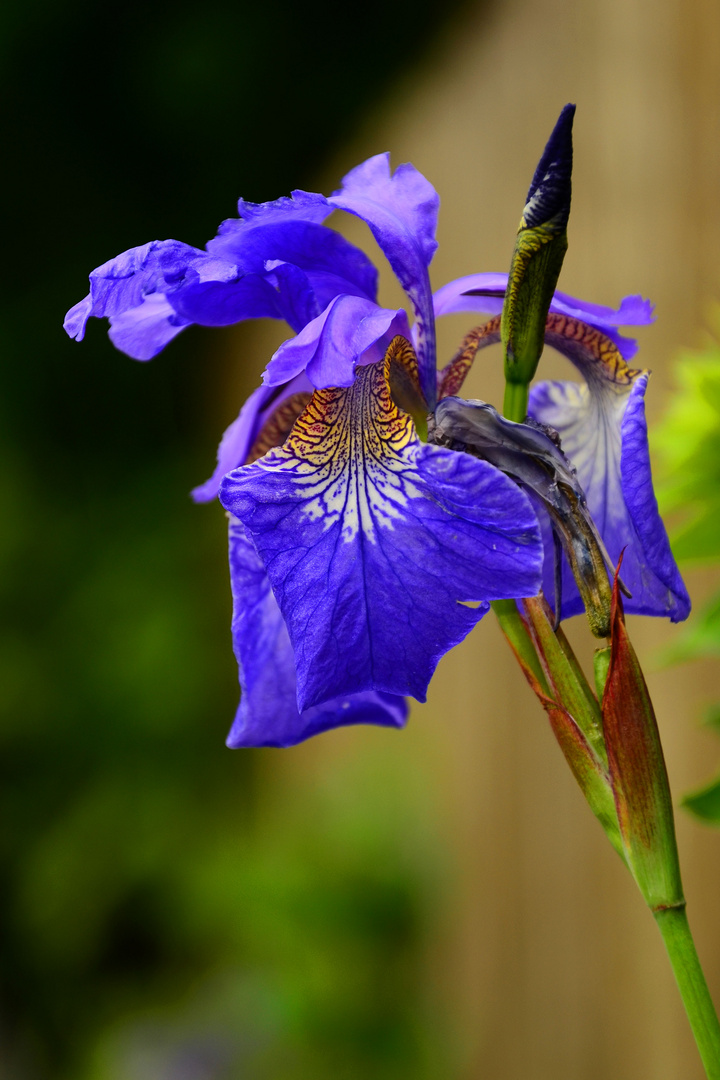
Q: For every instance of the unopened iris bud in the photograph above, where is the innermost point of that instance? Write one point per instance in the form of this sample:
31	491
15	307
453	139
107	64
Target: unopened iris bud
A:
536	262
637	772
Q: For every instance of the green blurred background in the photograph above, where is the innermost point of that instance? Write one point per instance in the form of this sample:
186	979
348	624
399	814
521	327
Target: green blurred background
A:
433	903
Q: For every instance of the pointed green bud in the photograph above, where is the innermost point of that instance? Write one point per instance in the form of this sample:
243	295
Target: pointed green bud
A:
538	256
637	772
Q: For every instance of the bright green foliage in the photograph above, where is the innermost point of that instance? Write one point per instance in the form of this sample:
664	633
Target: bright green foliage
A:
689	442
689	445
705	801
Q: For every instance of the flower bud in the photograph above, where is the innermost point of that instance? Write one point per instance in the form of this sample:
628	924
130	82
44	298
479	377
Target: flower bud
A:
538	256
637	772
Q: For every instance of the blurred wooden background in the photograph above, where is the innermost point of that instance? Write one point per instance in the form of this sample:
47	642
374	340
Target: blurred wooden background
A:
544	959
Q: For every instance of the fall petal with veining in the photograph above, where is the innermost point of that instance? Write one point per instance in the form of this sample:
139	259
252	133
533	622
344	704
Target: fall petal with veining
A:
374	542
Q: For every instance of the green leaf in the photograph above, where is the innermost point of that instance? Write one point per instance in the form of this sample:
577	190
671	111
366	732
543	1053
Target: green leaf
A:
688	441
705	802
701	637
688	447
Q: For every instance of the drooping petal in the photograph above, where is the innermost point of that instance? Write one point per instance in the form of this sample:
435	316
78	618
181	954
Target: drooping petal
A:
145	330
246	438
602	428
223	303
122	284
485	293
401	210
267	714
303	265
373	541
278	263
329	347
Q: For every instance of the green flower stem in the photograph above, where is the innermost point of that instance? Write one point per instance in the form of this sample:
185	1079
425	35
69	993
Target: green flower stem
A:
515	403
675	929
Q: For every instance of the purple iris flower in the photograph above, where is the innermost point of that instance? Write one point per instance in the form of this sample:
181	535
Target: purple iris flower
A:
374	542
359	555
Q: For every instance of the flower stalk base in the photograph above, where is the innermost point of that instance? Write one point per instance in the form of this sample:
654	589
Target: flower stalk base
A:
515	403
675	929
556	678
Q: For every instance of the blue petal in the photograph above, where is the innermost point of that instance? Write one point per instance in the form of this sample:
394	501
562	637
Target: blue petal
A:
602	429
302	266
314	248
485	293
373	541
657	563
222	303
329	347
401	210
121	285
238	440
299	206
268	713
145	330
271	265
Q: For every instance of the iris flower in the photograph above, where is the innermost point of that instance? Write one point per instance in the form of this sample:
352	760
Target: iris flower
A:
359	553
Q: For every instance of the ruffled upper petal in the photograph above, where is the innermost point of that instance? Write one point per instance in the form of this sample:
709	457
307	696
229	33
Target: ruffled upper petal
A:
372	541
401	210
485	293
329	347
122	284
298	206
267	714
602	428
278	262
301	265
222	303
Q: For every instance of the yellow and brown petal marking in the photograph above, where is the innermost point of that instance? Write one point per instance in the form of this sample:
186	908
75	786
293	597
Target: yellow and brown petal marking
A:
593	353
453	375
278	426
346	451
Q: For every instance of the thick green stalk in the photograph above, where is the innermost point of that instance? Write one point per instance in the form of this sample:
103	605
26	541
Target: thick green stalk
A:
515	403
675	930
